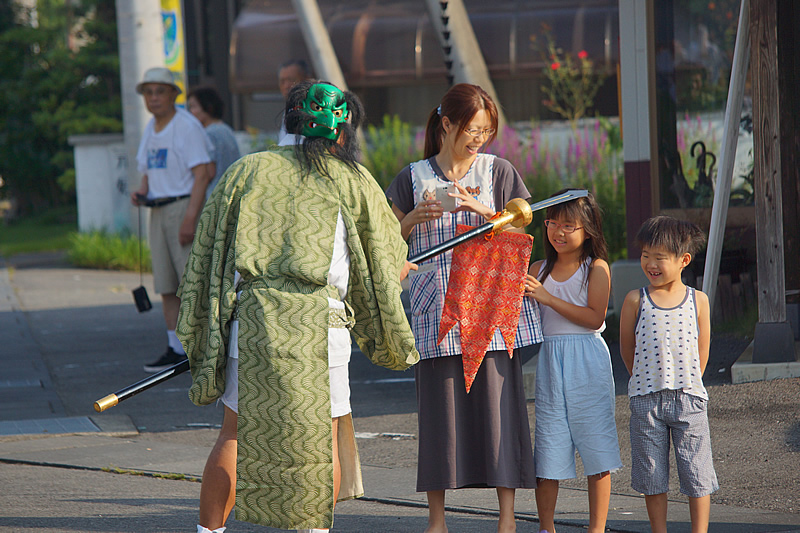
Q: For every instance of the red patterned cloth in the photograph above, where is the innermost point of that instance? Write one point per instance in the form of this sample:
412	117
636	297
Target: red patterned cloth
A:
484	293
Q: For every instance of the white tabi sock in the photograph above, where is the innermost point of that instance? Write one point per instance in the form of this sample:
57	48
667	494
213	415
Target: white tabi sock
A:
201	529
174	343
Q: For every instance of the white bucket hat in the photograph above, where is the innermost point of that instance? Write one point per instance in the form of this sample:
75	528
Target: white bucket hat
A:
160	75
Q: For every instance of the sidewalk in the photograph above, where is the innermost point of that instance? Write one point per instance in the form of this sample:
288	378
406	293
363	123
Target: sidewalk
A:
64	464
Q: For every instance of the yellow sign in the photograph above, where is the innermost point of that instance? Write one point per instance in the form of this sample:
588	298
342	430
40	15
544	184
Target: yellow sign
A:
174	51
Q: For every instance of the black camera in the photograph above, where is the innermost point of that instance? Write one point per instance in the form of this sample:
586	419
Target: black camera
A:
142	300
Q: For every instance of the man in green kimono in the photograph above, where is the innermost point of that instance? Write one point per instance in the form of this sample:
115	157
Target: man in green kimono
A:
295	247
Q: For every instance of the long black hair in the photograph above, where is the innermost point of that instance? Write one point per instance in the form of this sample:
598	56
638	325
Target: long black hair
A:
314	152
589	216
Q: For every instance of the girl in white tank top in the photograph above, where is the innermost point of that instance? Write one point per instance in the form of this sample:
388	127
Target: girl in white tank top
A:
574	381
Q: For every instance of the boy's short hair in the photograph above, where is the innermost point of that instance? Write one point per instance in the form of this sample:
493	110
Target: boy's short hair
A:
676	236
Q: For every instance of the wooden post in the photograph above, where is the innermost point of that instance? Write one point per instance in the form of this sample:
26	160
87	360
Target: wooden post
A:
773	340
789	68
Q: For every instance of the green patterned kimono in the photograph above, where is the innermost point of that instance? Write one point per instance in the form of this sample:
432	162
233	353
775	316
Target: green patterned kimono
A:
275	226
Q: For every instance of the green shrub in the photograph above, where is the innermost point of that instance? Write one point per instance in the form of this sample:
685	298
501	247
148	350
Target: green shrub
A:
99	249
389	148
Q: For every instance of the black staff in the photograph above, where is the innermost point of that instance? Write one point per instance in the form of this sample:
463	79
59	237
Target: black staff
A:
518	213
113	399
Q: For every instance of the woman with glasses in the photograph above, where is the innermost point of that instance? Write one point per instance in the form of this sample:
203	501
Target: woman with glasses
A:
479	438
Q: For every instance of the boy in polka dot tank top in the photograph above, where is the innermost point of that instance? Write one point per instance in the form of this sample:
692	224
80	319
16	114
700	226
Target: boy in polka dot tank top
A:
665	333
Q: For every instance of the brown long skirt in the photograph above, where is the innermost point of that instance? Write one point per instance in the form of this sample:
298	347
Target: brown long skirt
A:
480	439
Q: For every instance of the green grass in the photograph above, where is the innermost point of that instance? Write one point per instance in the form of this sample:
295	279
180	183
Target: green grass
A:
108	251
56	230
47	232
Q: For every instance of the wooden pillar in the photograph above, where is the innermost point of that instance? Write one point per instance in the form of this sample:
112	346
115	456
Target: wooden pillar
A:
773	340
788	81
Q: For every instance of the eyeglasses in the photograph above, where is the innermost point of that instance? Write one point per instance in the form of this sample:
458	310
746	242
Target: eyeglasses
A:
566	228
475	134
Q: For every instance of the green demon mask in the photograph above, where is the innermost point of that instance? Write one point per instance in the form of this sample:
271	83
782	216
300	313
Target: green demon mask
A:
327	105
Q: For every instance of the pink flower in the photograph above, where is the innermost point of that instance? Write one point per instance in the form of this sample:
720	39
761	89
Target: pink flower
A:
582	54
555	65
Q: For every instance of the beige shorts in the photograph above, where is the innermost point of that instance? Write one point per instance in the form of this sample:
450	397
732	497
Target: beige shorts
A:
168	256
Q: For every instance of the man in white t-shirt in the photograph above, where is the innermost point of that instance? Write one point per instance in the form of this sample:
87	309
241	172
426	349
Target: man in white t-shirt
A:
174	159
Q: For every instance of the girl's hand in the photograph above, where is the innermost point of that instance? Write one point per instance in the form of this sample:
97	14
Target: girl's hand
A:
467	202
535	290
424	212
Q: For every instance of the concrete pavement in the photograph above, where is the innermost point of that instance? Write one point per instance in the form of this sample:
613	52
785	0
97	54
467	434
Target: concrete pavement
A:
75	470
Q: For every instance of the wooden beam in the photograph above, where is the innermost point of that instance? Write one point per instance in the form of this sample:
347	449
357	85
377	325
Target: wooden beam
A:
789	81
773	340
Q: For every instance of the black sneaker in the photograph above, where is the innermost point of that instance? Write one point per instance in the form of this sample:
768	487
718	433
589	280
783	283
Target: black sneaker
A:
170	358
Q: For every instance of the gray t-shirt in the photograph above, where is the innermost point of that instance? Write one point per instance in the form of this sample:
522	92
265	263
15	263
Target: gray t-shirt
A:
226	150
507	182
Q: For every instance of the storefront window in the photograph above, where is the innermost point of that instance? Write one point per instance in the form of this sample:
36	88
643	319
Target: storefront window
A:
694	52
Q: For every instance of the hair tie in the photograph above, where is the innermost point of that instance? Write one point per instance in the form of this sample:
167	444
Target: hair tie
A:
439	110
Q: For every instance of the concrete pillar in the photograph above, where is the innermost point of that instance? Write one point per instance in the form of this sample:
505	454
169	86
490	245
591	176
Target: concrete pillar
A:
141	46
101	177
318	43
463	56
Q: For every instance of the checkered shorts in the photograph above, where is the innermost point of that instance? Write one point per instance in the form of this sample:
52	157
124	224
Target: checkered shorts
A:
657	417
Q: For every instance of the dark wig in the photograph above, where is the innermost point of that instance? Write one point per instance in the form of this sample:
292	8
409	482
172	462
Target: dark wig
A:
313	152
678	237
589	216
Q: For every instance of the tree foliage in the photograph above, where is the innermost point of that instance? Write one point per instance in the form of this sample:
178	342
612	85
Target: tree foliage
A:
59	76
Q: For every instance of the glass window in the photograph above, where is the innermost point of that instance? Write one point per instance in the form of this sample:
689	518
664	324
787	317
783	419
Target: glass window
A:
694	52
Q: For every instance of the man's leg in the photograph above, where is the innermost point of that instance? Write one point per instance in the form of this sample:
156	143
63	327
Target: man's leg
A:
175	353
218	491
171	304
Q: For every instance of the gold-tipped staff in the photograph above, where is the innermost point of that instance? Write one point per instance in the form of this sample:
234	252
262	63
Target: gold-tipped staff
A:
518	213
123	394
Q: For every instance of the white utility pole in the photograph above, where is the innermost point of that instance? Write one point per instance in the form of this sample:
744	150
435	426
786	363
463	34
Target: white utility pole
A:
730	138
140	31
